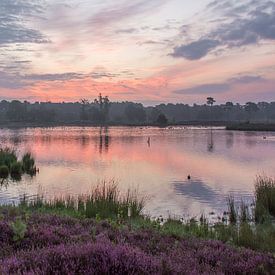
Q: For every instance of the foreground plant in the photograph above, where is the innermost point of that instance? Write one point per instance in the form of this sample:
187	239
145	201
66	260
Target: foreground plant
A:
63	245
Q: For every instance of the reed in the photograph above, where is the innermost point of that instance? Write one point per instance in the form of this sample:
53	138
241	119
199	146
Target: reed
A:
264	198
104	202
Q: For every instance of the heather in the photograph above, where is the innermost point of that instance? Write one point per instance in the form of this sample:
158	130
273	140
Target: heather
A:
106	232
54	244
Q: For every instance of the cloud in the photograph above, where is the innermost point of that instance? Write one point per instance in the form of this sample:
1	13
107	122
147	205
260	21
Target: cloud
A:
217	88
195	50
71	76
246	79
129	30
53	77
205	89
11	81
119	12
239	25
13	18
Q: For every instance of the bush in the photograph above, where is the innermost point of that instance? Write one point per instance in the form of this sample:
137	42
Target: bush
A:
4	171
19	229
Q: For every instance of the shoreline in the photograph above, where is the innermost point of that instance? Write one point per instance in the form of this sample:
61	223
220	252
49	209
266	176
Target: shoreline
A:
258	127
18	125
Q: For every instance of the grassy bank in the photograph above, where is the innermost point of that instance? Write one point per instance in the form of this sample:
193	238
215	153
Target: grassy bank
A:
106	232
251	127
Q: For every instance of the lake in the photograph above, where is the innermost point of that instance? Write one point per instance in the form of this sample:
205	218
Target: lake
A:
156	161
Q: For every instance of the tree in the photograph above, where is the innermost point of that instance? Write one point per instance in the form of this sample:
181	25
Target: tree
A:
135	113
162	119
228	108
84	104
16	111
210	101
250	108
103	104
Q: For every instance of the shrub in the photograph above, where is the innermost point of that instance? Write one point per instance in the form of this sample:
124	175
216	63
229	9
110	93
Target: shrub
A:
19	229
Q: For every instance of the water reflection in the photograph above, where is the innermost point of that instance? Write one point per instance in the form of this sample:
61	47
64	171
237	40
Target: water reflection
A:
71	159
211	141
195	188
104	140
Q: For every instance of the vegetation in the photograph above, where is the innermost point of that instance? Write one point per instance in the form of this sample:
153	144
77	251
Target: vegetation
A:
78	235
162	120
103	111
11	166
265	198
104	202
51	244
240	226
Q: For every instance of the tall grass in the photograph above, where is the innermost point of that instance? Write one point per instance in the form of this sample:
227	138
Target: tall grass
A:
104	202
264	198
232	210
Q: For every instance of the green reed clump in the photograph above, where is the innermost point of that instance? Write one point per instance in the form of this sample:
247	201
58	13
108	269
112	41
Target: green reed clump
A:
232	210
11	166
264	198
16	169
104	202
7	157
28	164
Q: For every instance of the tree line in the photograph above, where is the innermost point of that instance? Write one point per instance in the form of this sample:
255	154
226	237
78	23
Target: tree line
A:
102	111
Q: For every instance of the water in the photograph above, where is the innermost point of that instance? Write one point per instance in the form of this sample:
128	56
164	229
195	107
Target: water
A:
73	159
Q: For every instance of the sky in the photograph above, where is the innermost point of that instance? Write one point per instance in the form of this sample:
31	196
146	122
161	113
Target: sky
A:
148	51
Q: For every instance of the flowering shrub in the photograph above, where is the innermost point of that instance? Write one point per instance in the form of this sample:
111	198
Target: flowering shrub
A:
63	245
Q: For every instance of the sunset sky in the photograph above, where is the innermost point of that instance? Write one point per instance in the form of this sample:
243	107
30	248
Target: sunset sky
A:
148	51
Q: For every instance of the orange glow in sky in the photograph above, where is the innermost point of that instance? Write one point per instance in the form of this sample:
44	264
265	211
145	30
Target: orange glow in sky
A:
150	51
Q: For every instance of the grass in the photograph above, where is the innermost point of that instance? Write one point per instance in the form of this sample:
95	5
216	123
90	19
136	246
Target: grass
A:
104	202
125	210
264	198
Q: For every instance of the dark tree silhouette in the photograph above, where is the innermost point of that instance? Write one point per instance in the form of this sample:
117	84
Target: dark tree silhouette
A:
251	108
210	101
162	119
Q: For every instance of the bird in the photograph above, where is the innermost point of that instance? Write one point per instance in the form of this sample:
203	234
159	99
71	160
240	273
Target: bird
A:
189	177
